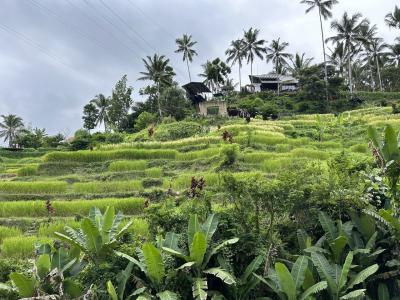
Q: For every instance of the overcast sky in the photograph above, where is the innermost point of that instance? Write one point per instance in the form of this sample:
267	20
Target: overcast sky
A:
55	55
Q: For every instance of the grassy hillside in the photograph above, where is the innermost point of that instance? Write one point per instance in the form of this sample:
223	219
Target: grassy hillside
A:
130	175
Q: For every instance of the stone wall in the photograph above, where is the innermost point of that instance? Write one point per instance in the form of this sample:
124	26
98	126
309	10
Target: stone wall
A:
209	108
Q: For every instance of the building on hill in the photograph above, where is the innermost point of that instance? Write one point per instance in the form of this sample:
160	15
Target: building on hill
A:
206	103
272	82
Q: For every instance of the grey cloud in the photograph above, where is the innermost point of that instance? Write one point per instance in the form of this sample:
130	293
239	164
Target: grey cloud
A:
86	55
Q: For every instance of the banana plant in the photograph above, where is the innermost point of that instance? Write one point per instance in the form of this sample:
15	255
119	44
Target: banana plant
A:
52	275
245	284
387	153
199	253
332	243
341	284
152	266
297	284
98	234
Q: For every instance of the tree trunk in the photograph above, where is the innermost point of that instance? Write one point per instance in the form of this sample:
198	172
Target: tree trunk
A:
187	64
350	78
379	73
251	71
158	101
323	49
371	73
240	78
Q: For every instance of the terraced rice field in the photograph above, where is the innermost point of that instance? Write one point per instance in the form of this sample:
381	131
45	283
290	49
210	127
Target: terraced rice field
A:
126	175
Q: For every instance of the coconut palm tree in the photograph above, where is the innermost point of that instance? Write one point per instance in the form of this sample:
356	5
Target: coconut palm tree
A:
324	11
252	46
393	19
10	127
348	32
215	73
393	55
376	48
338	58
235	55
160	72
368	34
299	63
185	46
275	53
102	103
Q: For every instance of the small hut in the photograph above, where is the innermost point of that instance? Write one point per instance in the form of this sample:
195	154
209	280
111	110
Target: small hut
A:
205	102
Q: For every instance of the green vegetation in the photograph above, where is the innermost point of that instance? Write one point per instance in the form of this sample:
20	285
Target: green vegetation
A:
295	195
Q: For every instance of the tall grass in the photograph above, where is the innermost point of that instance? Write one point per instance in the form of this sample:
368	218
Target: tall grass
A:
87	156
192	155
29	170
20	246
192	141
98	187
127	165
310	153
6	232
36	187
129	206
48	229
154	172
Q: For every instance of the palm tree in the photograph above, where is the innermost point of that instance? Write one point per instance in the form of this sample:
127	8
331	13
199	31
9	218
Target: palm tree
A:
376	48
368	35
393	19
252	46
324	11
348	32
185	46
338	58
160	72
393	55
299	63
275	53
101	102
10	127
235	55
215	73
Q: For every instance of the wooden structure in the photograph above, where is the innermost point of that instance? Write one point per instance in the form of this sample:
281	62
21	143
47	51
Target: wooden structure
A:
205	102
272	82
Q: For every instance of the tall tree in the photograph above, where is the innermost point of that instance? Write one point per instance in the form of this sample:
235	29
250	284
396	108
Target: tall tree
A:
10	127
160	72
299	63
348	32
376	47
393	55
275	52
235	54
90	116
252	46
102	103
324	11
120	104
338	58
368	34
215	73
185	46
393	19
